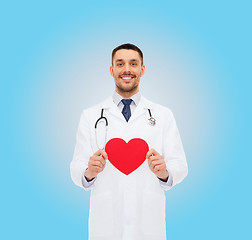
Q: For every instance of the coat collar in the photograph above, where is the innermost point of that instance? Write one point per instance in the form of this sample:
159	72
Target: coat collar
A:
141	108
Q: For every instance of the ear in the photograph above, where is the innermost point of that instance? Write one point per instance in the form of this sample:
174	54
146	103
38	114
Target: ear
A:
142	70
111	71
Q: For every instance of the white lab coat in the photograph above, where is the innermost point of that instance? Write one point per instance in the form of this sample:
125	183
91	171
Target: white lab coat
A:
128	207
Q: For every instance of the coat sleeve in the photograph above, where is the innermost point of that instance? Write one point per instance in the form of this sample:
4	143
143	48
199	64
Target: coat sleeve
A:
173	152
82	153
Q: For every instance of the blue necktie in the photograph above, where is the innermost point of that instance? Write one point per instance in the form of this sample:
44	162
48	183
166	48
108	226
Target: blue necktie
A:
126	109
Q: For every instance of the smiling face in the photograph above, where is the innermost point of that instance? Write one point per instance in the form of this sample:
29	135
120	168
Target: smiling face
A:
127	69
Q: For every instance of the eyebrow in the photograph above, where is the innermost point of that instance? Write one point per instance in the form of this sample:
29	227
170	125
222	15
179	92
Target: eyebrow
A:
131	60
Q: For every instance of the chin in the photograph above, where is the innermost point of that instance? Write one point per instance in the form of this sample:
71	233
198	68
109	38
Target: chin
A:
131	89
128	87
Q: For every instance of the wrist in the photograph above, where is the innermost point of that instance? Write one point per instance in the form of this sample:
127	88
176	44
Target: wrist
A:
164	177
89	176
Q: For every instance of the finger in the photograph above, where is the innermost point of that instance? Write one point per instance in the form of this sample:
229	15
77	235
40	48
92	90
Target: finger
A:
98	153
97	163
160	167
152	152
100	170
102	153
157	162
149	153
154	158
151	166
97	169
100	159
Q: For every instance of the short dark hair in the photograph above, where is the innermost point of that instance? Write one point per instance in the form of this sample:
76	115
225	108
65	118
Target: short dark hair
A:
128	46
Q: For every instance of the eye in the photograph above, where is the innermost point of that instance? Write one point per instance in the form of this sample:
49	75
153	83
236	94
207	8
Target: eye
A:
134	64
119	64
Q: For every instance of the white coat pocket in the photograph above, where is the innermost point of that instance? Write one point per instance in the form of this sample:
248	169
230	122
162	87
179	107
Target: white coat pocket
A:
153	214
101	217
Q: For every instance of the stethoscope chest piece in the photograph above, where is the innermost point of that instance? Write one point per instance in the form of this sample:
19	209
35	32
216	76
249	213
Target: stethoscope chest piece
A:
152	121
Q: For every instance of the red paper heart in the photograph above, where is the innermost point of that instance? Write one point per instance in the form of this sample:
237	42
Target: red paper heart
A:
126	157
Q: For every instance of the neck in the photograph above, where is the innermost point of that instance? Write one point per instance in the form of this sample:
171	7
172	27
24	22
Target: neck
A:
127	94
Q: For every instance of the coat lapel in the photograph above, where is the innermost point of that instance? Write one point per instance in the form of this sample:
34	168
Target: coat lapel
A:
112	108
141	109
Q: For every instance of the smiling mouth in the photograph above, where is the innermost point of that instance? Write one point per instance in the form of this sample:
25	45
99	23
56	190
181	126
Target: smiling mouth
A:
127	78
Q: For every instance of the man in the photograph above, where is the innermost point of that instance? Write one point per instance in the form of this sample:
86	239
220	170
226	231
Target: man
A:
128	206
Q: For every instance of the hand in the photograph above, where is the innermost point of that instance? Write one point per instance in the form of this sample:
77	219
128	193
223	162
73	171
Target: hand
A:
157	164
96	164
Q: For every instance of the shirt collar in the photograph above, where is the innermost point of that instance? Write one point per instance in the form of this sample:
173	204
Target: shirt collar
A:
117	98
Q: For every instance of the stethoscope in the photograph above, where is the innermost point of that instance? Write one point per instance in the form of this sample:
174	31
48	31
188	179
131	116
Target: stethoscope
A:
151	120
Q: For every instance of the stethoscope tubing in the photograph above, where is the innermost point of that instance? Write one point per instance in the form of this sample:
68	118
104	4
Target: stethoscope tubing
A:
100	118
152	122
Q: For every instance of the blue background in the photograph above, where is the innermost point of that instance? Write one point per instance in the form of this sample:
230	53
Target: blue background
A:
55	58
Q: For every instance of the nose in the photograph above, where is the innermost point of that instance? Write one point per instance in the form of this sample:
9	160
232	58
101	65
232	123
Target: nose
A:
127	68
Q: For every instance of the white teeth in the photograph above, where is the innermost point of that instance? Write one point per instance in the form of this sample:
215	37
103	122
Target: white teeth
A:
126	78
